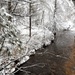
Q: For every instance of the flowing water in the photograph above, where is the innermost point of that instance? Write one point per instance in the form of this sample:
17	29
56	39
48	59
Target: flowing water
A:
55	59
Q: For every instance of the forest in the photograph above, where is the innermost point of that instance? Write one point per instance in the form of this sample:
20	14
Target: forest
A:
37	37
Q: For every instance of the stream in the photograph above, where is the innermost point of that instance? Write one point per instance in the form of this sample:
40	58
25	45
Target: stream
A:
58	58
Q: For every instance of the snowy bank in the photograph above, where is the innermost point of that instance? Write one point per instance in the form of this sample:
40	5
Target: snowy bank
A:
40	36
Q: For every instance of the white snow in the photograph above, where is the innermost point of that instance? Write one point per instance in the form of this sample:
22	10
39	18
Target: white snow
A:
24	60
40	36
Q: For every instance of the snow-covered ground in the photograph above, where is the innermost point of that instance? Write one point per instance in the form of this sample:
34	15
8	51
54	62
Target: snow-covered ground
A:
40	36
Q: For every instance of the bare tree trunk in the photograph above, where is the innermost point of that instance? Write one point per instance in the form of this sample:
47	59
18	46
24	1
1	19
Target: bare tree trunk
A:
30	19
9	9
54	28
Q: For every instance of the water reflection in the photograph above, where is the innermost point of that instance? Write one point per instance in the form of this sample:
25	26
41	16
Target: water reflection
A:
70	63
58	58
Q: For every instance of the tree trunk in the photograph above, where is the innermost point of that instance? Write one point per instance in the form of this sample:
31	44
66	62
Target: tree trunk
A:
30	19
54	26
9	9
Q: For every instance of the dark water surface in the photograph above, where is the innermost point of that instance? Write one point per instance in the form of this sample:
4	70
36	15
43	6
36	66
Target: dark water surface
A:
56	59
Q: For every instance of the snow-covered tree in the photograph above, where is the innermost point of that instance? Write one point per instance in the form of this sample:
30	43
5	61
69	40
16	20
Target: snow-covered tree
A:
8	33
